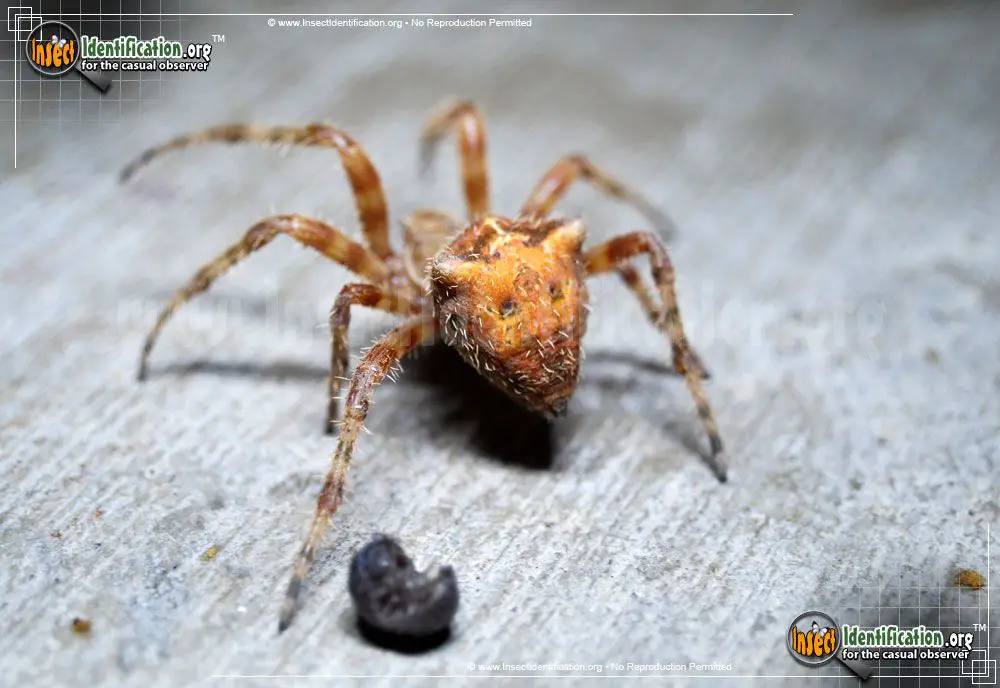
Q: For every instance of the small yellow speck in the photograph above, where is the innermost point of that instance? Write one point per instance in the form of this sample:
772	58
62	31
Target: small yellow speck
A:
967	578
210	553
81	626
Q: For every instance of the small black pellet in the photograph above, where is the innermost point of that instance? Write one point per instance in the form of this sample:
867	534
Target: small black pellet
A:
394	601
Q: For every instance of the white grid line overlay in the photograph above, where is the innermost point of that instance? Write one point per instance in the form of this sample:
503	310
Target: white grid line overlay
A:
59	102
877	601
13	13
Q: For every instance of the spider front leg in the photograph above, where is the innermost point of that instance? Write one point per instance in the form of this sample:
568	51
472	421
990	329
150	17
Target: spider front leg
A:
633	280
358	294
372	369
615	253
468	122
569	169
329	241
361	173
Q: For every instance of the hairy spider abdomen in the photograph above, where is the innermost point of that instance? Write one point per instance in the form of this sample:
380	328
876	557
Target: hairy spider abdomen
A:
511	298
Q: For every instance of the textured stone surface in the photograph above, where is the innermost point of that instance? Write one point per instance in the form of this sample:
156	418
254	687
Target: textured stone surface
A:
834	178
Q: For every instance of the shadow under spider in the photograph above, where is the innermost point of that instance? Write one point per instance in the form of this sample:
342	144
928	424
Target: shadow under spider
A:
297	371
277	371
459	396
502	429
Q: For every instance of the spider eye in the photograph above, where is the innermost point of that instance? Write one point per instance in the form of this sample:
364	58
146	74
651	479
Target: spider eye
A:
507	307
555	290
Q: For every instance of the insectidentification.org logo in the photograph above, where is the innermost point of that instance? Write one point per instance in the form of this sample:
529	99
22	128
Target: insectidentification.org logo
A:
131	53
815	639
893	642
54	48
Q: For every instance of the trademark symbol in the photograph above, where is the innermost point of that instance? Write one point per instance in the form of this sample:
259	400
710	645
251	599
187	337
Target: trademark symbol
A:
218	38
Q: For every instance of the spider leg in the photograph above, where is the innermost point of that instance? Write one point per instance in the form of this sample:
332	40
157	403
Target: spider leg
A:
357	294
614	253
557	180
635	283
364	179
425	232
371	370
328	240
468	123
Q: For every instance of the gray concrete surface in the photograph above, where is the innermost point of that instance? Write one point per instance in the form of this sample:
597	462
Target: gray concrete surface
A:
834	177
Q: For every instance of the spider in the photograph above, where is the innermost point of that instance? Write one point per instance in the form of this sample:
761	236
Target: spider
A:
508	293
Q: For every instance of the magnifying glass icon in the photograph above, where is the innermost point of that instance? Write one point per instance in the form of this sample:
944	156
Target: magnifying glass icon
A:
53	49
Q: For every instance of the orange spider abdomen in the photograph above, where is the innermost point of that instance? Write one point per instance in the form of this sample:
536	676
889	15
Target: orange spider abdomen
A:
511	298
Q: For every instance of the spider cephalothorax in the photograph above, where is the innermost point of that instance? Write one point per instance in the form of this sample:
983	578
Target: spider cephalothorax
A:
510	296
508	293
